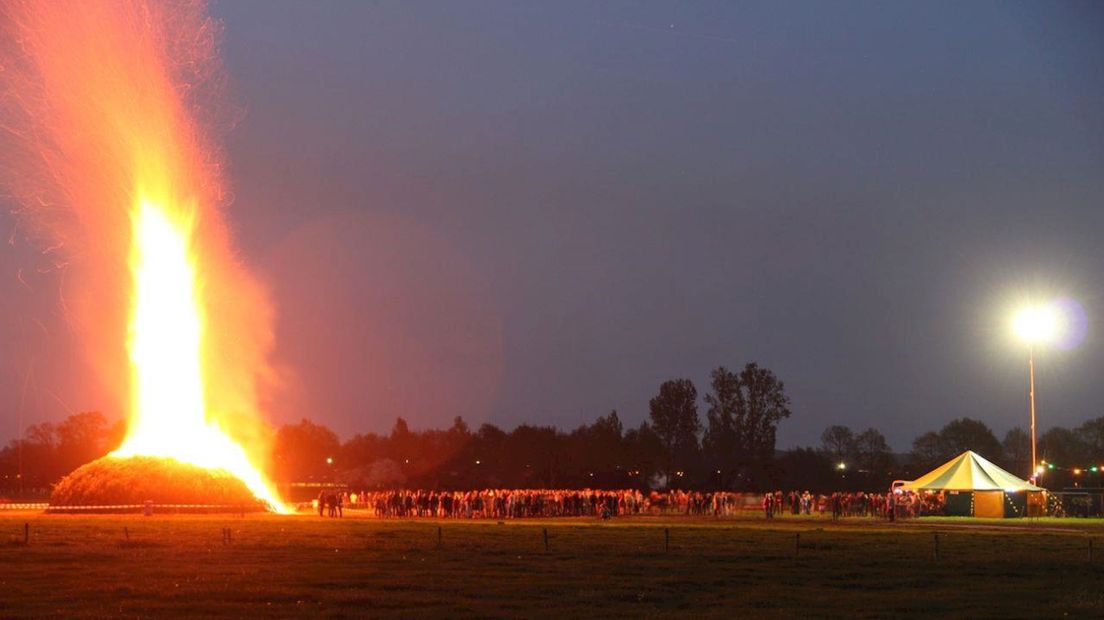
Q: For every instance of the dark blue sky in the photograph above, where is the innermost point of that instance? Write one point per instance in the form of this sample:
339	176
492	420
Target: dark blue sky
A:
536	212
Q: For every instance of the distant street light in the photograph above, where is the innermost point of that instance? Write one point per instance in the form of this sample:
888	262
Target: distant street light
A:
1036	325
841	466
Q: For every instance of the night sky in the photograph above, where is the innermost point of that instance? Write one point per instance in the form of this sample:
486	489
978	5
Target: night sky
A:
537	212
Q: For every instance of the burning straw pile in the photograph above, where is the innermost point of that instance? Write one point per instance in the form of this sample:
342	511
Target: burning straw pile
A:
117	482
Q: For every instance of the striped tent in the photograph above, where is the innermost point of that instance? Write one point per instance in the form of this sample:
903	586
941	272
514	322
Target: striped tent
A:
974	486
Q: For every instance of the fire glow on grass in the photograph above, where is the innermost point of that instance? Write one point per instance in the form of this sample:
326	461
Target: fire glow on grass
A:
106	108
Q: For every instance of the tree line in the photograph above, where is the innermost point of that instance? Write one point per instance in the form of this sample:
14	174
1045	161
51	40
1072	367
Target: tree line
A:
734	449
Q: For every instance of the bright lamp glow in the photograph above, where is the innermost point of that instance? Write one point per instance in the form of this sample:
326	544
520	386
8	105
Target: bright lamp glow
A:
1038	324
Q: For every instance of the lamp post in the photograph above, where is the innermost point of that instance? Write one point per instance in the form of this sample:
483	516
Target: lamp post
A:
1035	325
1031	397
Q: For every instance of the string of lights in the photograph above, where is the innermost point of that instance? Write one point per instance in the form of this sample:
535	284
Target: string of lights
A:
1047	466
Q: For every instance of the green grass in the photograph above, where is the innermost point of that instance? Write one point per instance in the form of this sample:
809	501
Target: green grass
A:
177	566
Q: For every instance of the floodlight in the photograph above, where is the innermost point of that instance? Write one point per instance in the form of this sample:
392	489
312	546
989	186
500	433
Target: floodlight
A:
1037	324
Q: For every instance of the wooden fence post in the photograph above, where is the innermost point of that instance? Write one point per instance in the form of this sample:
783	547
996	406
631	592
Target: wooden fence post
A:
935	546
26	533
666	539
546	540
797	544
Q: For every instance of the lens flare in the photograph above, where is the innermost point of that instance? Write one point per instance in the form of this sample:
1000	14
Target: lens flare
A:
1075	323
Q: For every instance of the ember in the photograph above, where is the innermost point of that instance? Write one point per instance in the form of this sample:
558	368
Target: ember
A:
114	167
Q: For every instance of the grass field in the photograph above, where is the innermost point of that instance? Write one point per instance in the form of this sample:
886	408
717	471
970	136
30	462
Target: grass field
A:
179	567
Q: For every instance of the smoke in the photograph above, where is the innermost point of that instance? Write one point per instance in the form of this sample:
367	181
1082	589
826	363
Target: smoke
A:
100	101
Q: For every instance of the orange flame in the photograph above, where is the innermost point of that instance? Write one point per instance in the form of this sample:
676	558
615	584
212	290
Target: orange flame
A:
166	332
101	143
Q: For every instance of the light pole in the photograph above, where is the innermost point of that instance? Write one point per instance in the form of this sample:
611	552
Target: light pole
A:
1031	396
1035	325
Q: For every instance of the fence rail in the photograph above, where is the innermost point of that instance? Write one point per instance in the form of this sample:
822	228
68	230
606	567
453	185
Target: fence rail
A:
45	506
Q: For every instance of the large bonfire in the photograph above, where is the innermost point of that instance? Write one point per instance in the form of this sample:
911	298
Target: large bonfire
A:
104	150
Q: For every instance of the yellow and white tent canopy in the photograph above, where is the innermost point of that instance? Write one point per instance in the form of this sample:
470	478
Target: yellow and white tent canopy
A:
969	471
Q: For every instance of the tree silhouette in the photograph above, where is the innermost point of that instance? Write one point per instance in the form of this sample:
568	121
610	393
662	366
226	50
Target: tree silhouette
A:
968	434
872	454
927	451
765	404
957	436
1064	447
1092	434
303	451
721	440
837	442
1017	451
674	415
81	438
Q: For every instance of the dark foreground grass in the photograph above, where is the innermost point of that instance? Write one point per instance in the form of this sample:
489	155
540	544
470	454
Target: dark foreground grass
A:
179	567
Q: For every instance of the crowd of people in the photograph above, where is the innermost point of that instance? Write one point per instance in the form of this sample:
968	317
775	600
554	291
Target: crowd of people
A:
528	503
857	504
496	503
